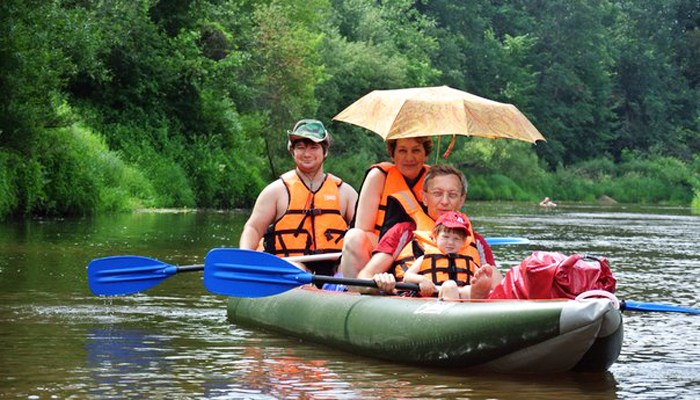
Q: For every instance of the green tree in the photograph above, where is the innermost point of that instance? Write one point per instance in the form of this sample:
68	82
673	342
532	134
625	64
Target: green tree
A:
41	46
283	71
370	46
572	59
656	103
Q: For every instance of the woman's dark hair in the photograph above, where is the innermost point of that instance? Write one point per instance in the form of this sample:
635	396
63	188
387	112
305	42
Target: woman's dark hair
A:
426	141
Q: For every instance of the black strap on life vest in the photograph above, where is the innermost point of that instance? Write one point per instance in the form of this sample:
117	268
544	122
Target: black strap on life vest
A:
452	270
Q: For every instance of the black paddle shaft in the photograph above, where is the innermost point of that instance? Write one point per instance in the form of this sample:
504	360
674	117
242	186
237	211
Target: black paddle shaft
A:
190	268
361	282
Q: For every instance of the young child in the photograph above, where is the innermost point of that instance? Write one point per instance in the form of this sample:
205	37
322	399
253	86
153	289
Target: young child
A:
448	261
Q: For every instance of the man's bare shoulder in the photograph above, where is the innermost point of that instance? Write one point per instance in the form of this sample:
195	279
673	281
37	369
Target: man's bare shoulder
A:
347	190
274	188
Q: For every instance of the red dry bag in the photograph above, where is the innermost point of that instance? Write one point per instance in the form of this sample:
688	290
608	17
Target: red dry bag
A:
549	275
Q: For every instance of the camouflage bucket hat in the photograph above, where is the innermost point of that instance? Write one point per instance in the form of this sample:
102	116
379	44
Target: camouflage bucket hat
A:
311	129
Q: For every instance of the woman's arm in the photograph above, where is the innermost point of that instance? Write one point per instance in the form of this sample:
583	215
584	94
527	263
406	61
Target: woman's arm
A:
348	199
370	197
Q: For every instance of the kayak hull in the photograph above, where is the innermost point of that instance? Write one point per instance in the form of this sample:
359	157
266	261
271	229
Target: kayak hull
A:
503	336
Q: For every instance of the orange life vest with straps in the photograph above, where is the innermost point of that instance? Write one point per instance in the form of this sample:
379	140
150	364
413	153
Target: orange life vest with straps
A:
422	243
440	267
420	218
395	182
312	223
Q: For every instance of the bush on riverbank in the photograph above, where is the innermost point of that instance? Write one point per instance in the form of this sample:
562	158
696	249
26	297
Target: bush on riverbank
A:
221	170
77	174
500	170
695	176
8	183
70	172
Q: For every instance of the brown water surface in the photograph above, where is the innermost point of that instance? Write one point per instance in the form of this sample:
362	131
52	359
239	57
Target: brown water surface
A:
59	341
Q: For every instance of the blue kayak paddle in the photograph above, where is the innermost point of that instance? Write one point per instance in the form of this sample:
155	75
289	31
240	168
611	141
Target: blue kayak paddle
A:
502	241
120	275
651	307
248	273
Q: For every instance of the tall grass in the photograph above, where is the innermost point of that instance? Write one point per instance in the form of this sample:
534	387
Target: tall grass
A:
695	181
169	180
72	172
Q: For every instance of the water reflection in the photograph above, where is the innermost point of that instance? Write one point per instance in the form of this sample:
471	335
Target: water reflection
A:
280	374
283	368
115	357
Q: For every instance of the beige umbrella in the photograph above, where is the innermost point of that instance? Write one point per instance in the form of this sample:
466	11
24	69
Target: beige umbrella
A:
430	111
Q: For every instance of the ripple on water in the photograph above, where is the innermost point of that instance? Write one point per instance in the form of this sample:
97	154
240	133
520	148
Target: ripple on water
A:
174	341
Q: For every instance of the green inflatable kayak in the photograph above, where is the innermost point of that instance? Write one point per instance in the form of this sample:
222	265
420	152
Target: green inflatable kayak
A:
503	336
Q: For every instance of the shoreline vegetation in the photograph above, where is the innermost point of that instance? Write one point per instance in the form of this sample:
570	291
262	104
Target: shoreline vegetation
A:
81	176
121	106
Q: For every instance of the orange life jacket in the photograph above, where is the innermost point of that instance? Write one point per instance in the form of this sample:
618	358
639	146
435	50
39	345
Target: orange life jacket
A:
395	182
423	223
422	243
440	267
312	223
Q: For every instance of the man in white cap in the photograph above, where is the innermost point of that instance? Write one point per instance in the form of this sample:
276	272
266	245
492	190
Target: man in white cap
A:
305	211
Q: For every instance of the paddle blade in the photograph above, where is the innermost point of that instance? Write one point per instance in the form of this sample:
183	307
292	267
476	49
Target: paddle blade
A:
502	241
248	273
119	275
651	307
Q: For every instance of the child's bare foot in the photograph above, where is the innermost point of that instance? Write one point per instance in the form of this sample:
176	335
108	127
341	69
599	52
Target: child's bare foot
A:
481	282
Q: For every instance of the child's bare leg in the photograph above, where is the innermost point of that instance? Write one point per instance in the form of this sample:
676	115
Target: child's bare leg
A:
449	291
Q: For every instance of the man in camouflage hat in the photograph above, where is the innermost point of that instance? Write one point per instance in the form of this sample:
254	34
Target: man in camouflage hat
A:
306	211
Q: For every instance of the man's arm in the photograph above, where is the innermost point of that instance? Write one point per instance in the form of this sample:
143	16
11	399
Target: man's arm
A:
265	211
386	251
380	262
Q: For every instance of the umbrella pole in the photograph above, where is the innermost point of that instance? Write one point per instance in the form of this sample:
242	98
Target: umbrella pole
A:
437	149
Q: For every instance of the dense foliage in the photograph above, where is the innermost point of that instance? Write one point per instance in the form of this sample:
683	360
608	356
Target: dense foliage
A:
117	104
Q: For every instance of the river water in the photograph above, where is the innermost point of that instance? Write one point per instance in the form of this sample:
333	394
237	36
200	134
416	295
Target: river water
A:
58	341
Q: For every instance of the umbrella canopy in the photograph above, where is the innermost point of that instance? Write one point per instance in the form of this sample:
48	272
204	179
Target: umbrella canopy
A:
442	110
